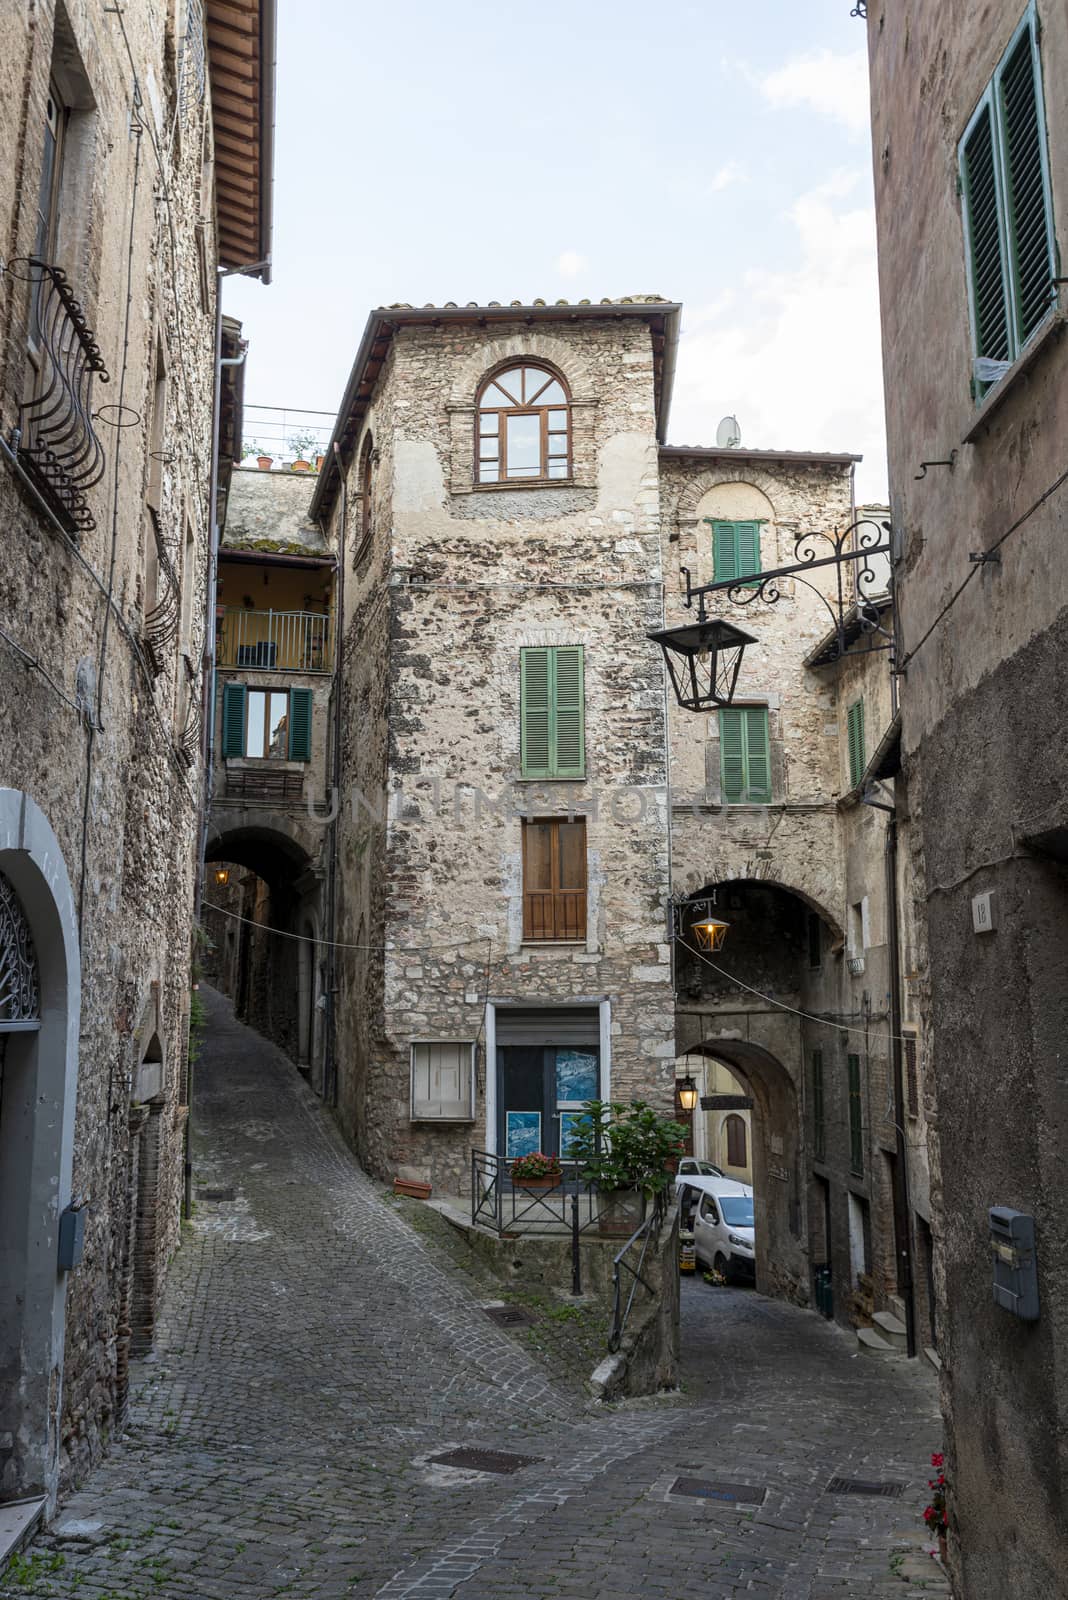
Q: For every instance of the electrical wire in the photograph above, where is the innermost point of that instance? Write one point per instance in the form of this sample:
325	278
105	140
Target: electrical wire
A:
32	661
826	1022
338	944
955	596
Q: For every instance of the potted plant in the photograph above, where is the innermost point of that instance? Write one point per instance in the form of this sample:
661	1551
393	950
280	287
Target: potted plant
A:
299	444
936	1515
624	1150
536	1171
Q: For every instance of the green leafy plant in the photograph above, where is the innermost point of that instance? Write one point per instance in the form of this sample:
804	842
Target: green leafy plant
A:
198	1023
536	1165
303	445
936	1515
621	1146
251	447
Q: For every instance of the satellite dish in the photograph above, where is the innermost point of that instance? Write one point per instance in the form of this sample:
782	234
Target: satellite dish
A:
729	434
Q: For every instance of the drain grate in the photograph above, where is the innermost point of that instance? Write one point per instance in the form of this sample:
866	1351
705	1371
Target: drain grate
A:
216	1194
484	1460
510	1316
702	1489
862	1486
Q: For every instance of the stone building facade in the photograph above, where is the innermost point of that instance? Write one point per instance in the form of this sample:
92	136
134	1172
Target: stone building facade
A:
970	132
503	865
108	297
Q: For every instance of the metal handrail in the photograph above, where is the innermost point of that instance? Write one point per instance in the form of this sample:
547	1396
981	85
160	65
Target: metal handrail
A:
645	1232
55	439
496	1202
276	641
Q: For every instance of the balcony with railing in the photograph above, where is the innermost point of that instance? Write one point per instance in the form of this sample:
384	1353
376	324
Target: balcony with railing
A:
56	444
275	641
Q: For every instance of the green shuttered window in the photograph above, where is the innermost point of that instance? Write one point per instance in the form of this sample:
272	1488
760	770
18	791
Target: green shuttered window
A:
856	1118
819	1115
552	712
855	740
735	549
233	728
1007	210
276	722
744	755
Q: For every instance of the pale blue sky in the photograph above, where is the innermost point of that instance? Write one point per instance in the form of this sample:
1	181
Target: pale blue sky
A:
715	154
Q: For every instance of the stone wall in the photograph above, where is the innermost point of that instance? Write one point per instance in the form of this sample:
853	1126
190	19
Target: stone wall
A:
459	578
91	726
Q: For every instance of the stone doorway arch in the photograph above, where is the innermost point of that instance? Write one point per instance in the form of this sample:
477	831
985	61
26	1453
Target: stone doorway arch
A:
40	998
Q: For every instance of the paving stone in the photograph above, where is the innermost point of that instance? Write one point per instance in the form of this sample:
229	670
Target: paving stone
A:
315	1348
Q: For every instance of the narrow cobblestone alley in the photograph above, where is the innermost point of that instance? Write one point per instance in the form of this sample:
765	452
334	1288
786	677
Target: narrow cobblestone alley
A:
314	1351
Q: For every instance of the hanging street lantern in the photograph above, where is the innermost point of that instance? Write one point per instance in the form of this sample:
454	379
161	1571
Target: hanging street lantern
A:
709	933
221	877
688	1093
703	659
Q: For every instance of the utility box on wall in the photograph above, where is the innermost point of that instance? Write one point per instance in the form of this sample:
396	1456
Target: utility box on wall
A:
1012	1240
71	1236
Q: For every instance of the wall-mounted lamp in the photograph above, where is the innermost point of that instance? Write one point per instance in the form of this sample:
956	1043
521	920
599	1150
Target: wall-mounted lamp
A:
688	1094
709	933
221	877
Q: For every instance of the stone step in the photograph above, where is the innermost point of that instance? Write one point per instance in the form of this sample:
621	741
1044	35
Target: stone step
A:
892	1329
895	1304
933	1357
18	1520
871	1343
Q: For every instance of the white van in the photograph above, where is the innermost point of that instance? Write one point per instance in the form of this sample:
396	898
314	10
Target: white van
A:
722	1222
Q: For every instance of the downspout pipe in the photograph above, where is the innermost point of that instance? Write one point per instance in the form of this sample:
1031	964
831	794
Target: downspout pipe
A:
902	1202
330	1072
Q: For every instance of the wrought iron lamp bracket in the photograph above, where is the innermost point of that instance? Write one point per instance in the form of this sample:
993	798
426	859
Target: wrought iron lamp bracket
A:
764	586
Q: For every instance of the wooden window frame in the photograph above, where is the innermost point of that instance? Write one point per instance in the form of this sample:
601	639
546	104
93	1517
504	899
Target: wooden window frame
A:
746	798
250	690
502	480
731	1126
910	1050
564	924
461	1111
819	1107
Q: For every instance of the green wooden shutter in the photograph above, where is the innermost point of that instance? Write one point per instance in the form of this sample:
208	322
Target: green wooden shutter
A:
758	755
300	720
855	740
856	1119
1027	201
724	551
985	244
748	534
535	701
233	719
731	754
568	756
819	1125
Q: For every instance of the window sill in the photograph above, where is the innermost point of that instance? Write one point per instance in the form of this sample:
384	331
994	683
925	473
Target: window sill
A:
451	1122
512	484
553	944
1040	339
546	778
259	763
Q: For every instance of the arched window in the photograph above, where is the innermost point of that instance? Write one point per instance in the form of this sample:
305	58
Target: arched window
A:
734	1129
367	491
524	426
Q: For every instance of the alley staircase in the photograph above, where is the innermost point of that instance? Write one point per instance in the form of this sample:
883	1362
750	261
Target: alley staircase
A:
887	1334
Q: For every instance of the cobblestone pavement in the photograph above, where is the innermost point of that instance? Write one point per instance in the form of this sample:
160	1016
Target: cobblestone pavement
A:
315	1350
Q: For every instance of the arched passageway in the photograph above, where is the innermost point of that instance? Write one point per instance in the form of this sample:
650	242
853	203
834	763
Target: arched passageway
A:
262	913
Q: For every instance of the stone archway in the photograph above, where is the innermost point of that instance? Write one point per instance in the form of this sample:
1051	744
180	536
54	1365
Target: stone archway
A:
40	998
776	1129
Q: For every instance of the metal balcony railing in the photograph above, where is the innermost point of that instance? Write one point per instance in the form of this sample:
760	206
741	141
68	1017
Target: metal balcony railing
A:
56	442
275	641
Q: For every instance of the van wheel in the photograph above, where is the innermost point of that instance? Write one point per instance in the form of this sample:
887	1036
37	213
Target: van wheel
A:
722	1266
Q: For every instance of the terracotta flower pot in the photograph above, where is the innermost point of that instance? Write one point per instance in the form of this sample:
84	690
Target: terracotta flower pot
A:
535	1183
301	466
265	463
413	1189
943	1549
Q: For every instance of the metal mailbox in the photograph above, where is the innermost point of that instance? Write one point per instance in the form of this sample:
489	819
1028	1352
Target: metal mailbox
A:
1012	1243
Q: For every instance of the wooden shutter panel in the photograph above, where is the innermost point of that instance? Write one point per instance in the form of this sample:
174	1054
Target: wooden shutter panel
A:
855	739
300	718
724	551
912	1077
569	755
534	713
758	755
731	754
748	544
989	306
856	1118
1026	202
233	719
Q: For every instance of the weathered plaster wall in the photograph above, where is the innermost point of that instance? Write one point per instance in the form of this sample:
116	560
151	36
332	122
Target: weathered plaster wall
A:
96	747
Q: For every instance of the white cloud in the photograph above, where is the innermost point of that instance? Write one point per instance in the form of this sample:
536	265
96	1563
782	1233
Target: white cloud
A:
834	85
795	353
724	177
569	264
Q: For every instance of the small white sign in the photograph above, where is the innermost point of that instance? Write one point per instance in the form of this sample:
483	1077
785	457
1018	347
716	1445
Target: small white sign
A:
984	915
